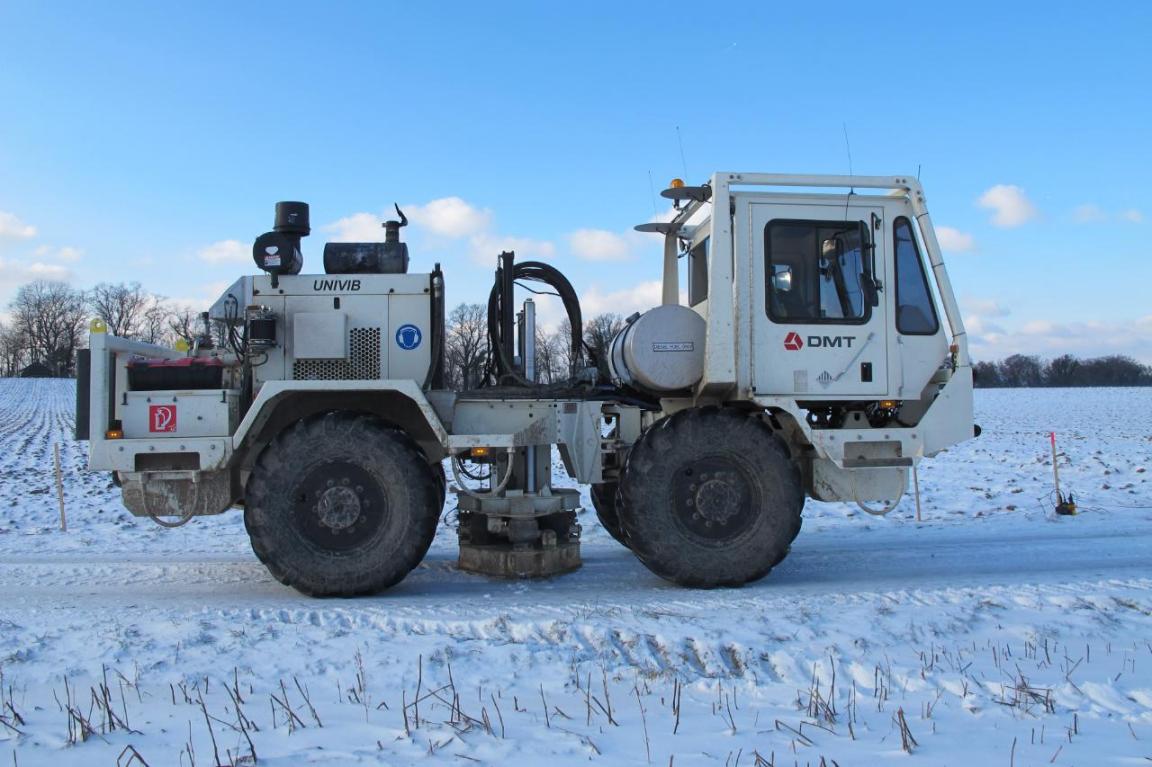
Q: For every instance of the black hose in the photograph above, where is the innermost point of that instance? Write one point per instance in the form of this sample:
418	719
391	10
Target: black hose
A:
533	271
435	376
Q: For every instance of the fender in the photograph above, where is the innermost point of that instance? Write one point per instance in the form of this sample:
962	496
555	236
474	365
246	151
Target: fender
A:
274	392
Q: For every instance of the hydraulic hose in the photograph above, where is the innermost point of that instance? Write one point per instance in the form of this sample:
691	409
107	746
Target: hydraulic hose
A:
531	271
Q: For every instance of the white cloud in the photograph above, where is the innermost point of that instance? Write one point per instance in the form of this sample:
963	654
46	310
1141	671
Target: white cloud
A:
638	298
981	317
985	307
1048	339
225	252
1088	213
1010	206
486	247
14	273
67	254
954	241
1091	213
12	227
359	227
450	217
600	245
443	221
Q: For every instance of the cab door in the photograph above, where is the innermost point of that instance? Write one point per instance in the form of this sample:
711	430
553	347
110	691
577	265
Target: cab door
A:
819	319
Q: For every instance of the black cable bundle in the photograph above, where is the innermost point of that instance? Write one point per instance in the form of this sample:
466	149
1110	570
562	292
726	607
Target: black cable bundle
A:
501	367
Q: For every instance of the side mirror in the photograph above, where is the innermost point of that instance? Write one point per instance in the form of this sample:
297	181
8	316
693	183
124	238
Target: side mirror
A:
782	278
832	248
869	283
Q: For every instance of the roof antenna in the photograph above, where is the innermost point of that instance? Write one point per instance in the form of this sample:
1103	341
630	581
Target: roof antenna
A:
683	162
917	171
848	145
851	190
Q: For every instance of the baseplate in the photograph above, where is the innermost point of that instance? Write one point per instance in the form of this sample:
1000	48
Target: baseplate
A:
504	560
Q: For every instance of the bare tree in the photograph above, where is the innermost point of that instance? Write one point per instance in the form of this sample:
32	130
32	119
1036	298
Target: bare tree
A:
183	323
120	305
598	334
13	352
1065	370
467	346
571	357
50	317
154	327
1021	370
132	312
550	357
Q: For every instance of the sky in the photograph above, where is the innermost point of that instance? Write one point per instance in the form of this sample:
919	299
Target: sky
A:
149	141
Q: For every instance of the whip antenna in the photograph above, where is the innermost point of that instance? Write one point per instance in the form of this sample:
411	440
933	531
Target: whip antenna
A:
683	162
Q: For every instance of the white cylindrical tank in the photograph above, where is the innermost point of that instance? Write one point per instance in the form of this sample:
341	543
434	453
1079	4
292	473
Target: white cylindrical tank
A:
661	350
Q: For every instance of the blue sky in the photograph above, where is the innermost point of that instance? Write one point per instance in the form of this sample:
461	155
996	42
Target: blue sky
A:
148	141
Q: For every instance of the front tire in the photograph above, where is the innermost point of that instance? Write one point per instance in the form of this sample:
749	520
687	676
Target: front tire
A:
710	497
341	504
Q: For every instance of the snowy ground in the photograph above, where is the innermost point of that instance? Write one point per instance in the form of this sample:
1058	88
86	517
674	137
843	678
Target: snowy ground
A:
991	633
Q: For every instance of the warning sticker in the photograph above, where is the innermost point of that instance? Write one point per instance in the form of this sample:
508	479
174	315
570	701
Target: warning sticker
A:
161	418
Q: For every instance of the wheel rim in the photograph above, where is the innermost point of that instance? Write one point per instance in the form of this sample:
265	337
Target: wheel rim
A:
338	506
713	499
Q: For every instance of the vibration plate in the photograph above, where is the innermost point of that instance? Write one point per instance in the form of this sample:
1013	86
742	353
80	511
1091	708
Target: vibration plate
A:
506	560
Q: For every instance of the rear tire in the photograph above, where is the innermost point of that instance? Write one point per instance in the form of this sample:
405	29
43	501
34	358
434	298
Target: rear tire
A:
604	502
710	497
341	504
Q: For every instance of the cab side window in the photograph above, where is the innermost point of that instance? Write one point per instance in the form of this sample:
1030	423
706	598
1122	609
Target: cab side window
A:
915	311
816	272
698	272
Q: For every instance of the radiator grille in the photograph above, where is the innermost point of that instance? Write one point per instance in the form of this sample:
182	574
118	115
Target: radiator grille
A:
363	363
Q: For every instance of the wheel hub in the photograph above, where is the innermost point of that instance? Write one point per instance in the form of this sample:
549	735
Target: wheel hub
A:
712	497
717	500
339	506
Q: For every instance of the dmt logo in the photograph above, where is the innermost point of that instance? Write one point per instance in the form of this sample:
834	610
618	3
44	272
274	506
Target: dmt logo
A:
831	342
161	418
793	342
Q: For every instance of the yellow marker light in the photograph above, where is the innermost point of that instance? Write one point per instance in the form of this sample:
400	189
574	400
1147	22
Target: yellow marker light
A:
97	326
479	452
888	404
676	183
181	345
114	434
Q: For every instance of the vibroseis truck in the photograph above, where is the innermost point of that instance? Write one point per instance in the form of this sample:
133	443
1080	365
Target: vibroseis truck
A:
808	344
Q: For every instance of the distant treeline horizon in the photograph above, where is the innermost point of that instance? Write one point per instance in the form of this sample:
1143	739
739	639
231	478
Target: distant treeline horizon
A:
1026	370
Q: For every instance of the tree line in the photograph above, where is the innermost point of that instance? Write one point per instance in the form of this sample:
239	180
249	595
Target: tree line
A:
48	321
1021	370
467	351
48	324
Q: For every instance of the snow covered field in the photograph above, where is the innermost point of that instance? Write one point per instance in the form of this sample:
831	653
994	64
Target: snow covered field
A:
991	633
